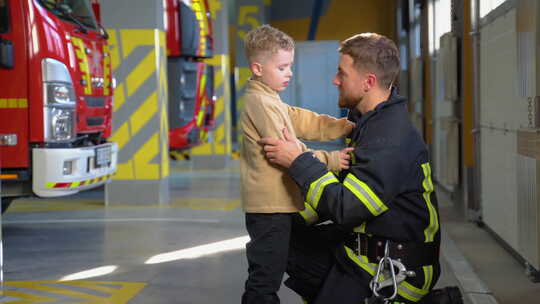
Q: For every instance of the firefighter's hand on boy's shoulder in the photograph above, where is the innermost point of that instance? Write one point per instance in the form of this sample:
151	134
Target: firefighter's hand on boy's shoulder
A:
344	158
281	152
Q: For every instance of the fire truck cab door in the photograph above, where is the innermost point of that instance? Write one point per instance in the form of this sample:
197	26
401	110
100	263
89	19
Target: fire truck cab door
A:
14	103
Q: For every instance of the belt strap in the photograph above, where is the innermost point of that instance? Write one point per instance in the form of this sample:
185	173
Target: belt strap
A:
411	254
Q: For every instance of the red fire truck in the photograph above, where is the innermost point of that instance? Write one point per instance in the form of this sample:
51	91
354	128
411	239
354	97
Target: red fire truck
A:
191	80
55	99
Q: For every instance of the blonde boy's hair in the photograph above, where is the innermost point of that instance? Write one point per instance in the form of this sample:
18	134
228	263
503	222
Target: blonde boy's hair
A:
266	40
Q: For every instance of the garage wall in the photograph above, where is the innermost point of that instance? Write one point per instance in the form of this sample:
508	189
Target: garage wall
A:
503	112
340	18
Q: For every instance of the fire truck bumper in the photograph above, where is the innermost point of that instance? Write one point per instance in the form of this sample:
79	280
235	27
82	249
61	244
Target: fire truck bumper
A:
59	172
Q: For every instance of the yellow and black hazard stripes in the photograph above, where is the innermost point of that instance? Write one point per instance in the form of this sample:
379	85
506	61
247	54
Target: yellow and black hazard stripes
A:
77	184
219	142
405	289
433	227
364	194
82	58
316	189
13	103
91	292
140	125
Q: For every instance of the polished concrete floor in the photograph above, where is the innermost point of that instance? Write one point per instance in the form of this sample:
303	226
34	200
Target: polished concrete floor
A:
75	250
502	274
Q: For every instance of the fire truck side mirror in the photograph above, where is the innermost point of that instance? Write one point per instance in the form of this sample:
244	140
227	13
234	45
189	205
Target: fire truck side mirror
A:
103	32
6	54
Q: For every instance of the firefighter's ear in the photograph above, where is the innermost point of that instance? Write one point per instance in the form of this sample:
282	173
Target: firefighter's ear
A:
256	69
370	82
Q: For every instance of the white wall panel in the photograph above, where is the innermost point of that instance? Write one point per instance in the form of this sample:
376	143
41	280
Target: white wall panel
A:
442	111
503	111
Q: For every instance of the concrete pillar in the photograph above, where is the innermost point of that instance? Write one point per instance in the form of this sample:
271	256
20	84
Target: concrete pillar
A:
216	153
137	46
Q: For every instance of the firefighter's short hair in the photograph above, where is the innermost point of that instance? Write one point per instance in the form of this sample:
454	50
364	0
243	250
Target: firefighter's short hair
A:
264	41
373	53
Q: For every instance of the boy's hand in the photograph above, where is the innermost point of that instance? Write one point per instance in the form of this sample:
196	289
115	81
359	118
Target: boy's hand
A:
344	158
281	152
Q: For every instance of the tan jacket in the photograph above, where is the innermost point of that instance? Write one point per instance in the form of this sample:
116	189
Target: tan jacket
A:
267	188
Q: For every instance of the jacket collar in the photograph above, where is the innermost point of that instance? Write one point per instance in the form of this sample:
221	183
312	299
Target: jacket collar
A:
392	100
261	88
359	118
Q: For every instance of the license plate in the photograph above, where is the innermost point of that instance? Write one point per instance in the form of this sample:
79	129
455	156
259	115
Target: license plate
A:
103	157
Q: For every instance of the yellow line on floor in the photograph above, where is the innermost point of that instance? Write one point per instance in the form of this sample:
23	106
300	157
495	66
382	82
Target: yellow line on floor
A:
194	203
100	292
205	203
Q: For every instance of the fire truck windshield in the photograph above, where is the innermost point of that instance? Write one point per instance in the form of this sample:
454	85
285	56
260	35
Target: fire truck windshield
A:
77	11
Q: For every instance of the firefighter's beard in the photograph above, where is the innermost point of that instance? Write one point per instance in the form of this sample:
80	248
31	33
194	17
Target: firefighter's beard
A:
348	102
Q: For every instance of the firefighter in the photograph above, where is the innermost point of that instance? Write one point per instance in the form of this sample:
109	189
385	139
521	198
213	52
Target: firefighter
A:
384	203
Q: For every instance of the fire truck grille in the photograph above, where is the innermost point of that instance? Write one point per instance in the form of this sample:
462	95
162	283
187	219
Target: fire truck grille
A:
95	102
94	121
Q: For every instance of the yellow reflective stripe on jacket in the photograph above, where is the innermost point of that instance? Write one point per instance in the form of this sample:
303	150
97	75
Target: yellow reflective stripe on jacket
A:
405	289
428	276
364	193
309	214
317	187
411	293
361	228
433	226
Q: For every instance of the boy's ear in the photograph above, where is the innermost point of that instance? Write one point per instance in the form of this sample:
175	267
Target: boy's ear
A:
256	68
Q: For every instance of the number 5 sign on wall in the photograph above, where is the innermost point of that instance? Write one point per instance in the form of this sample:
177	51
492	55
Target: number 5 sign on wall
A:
247	17
250	16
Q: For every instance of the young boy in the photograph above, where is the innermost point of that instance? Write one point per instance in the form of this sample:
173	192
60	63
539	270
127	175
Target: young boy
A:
270	198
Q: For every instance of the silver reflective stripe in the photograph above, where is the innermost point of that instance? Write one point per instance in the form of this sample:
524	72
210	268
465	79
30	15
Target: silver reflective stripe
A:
317	187
362	191
309	215
410	292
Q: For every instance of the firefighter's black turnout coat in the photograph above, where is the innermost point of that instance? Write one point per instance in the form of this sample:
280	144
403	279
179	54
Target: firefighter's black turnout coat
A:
387	192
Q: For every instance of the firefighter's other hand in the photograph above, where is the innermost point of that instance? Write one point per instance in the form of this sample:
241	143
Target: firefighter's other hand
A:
281	152
344	158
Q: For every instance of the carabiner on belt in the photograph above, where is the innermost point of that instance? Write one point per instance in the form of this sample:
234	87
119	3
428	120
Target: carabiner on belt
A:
386	268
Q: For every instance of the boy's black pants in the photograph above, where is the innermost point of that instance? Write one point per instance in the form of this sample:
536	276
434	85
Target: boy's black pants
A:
267	254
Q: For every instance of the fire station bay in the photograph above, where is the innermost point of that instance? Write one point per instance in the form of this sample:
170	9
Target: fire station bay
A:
270	151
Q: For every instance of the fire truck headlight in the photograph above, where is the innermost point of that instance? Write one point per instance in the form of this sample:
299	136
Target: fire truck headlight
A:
60	124
59	93
59	102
